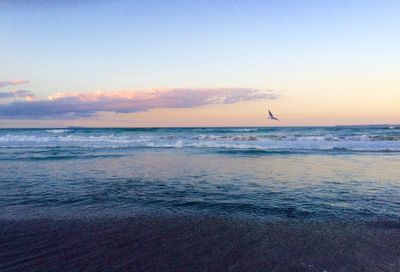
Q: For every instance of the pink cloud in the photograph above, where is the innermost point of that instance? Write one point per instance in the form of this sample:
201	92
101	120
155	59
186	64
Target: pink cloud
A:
28	95
70	105
13	82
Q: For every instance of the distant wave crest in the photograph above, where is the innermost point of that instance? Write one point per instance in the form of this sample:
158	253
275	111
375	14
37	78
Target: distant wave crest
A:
57	131
268	140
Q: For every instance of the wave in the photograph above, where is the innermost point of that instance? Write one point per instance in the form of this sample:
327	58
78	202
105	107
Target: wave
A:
68	138
204	137
57	131
272	147
313	138
337	138
244	129
225	138
279	140
289	151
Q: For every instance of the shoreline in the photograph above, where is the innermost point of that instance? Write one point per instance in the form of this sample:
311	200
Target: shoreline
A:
197	243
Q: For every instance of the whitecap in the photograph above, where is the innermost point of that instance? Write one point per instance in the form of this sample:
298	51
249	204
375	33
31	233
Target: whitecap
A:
57	131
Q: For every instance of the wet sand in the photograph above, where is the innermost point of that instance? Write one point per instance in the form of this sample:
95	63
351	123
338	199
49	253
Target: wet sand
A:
188	243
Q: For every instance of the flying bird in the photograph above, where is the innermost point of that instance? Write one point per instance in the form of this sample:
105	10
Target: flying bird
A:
271	116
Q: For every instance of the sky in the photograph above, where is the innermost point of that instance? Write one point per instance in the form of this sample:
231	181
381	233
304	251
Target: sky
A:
151	63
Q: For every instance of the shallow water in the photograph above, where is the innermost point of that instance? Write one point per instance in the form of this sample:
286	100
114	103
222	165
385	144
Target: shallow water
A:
301	173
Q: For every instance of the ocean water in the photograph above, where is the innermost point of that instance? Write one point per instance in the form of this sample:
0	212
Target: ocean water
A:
313	173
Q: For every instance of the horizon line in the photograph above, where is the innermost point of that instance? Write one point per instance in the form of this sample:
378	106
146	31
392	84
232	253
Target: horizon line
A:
177	127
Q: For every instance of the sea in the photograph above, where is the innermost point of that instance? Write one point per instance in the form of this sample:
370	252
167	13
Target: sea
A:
273	173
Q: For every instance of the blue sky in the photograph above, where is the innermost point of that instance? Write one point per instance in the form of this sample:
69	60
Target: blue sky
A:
319	51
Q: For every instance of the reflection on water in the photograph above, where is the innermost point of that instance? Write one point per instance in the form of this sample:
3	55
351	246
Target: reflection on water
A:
130	181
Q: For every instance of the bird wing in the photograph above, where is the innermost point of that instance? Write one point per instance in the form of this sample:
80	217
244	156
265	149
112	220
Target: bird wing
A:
271	116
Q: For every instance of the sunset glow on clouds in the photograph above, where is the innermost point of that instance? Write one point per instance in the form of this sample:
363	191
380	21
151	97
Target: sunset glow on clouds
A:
15	94
13	82
28	95
75	105
329	64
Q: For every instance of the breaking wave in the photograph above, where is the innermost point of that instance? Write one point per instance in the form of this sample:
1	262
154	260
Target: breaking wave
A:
57	131
270	140
270	146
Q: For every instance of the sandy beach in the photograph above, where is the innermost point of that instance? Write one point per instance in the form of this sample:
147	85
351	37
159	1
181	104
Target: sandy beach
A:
194	243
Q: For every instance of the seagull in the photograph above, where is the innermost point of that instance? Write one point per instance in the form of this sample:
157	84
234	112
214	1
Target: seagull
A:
271	116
